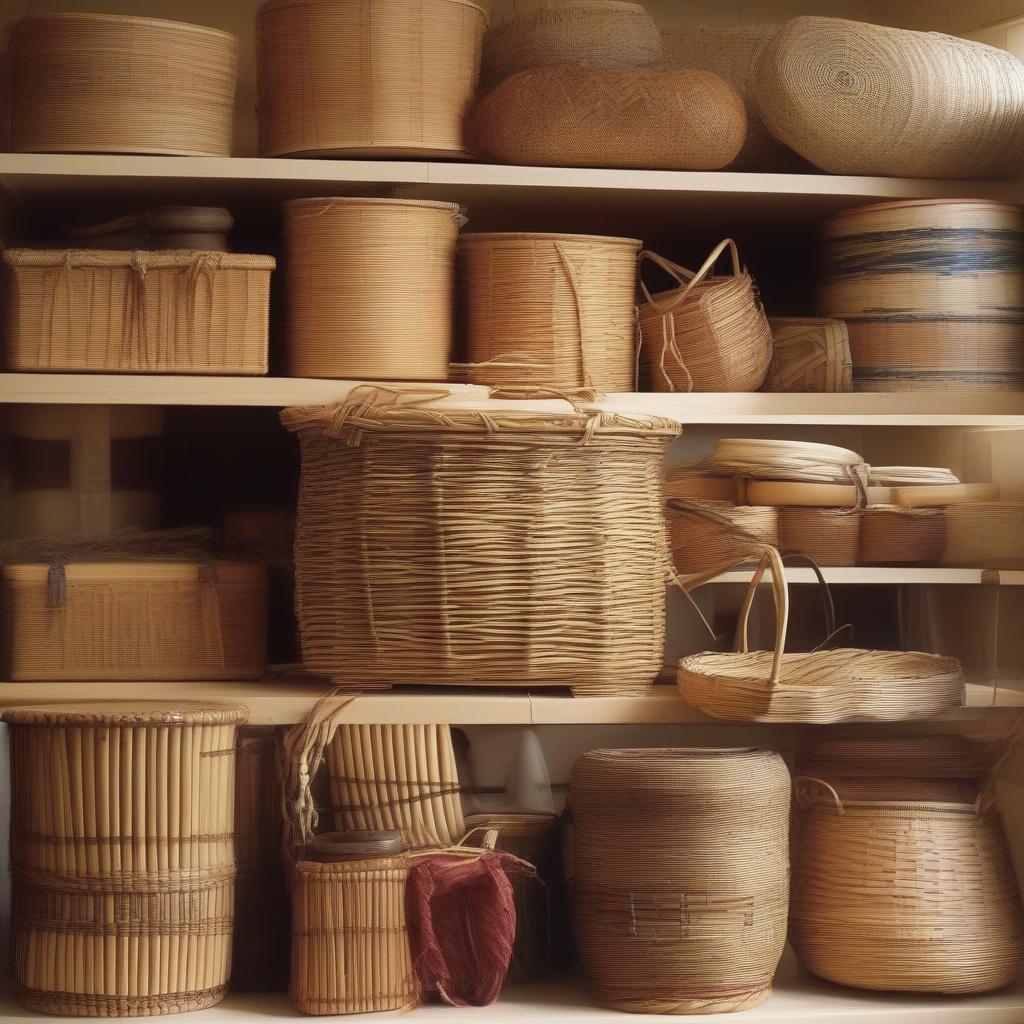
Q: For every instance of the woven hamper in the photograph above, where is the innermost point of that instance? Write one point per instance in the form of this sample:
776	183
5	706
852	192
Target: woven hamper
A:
464	547
988	535
681	876
829	536
890	535
809	353
706	533
122	858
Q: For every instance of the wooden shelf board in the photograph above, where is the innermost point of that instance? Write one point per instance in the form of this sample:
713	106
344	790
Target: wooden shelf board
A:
860	574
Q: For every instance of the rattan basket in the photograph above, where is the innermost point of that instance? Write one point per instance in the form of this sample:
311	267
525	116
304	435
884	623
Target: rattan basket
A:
681	876
891	535
706	533
122	856
351	78
105	83
104	311
810	353
988	535
829	536
551	310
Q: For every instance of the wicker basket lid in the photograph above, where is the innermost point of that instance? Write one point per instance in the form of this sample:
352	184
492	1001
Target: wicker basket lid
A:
331	847
896	476
659	768
128	712
422	204
906	213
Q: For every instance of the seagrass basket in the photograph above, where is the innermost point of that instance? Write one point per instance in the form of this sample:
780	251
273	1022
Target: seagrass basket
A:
809	353
122	856
103	311
681	876
829	536
464	547
706	533
988	535
351	78
105	83
891	535
710	332
547	309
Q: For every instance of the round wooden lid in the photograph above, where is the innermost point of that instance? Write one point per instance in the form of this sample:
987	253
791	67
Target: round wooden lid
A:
331	847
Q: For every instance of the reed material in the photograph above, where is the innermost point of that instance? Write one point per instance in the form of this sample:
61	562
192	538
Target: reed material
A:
829	536
137	312
941	495
809	354
551	310
122	856
351	78
681	876
706	533
891	535
988	535
899	476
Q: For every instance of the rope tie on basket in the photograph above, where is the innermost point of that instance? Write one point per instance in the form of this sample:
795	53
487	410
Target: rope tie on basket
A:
574	284
57	582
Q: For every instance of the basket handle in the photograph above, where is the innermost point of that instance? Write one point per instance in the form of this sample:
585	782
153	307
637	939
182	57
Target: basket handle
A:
805	787
827	603
687	277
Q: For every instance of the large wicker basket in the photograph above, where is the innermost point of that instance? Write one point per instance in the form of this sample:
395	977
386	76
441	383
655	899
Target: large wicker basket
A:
989	535
810	353
891	535
466	547
707	533
829	536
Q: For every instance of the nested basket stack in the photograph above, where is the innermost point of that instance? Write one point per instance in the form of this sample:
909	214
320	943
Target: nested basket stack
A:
681	876
987	534
892	535
122	856
707	533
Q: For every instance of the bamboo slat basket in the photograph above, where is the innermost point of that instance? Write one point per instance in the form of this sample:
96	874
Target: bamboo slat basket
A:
891	535
104	83
791	461
687	485
829	536
988	535
352	78
103	311
709	333
810	353
707	533
941	107
679	119
464	547
942	495
681	876
369	286
809	495
931	291
550	310
122	856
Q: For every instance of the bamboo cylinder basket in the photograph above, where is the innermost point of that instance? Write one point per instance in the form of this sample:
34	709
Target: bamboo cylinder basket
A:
105	83
122	856
369	286
891	535
352	78
550	310
932	293
697	923
829	536
987	535
706	533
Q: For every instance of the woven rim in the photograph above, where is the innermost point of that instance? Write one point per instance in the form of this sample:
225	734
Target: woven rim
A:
426	204
897	204
757	664
278	5
126	19
469	237
128	712
141	258
335	847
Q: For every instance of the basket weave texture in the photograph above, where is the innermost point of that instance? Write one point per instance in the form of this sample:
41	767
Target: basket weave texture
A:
988	535
762	458
891	535
829	536
707	533
809	354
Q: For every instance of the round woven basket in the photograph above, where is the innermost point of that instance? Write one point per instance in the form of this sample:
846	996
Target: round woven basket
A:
988	535
829	536
891	535
697	923
547	309
352	78
104	83
707	533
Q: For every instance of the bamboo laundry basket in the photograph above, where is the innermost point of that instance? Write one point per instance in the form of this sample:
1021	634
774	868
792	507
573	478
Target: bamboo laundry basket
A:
687	485
360	78
679	119
809	495
695	923
103	311
891	535
829	536
122	856
708	334
706	533
989	535
408	572
791	461
369	286
550	310
932	293
810	353
105	83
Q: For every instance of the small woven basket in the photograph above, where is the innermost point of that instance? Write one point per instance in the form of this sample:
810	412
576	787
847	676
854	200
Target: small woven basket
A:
809	354
988	535
891	535
707	533
829	536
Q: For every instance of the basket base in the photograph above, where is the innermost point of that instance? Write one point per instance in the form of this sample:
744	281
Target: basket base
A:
77	1004
688	1004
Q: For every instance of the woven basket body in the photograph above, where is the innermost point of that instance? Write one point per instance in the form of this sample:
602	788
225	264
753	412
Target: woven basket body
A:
932	292
829	536
693	487
553	310
890	535
809	354
680	876
854	98
409	572
137	312
369	288
598	117
367	77
988	535
122	856
707	533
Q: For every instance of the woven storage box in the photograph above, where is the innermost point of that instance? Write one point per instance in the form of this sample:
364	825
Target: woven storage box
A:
939	107
697	922
137	619
369	287
409	572
931	291
103	83
707	533
809	353
361	78
890	535
122	857
598	117
989	535
554	310
137	312
829	536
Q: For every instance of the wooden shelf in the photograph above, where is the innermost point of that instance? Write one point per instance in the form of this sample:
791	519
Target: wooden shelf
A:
888	575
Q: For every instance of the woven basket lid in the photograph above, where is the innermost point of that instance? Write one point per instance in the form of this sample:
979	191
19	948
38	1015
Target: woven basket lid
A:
840	223
494	237
332	847
906	757
896	476
128	712
658	768
129	21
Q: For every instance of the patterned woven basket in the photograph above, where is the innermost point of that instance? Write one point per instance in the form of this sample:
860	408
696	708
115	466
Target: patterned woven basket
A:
891	535
551	310
698	922
809	353
707	533
121	851
829	536
988	535
408	571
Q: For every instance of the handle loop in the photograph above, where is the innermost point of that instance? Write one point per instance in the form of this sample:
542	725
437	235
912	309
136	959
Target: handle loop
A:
804	790
686	277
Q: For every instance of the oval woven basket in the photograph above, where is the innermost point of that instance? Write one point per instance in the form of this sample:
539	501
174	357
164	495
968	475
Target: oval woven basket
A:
891	535
707	533
698	922
988	535
809	353
829	536
352	78
855	98
104	83
548	309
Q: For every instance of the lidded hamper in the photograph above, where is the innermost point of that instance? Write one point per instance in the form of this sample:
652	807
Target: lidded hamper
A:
680	876
122	855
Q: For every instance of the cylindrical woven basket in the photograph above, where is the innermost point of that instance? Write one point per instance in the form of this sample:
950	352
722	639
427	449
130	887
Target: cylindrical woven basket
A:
105	83
930	290
358	78
709	333
809	353
707	533
829	536
696	922
551	310
891	535
988	535
369	286
122	856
